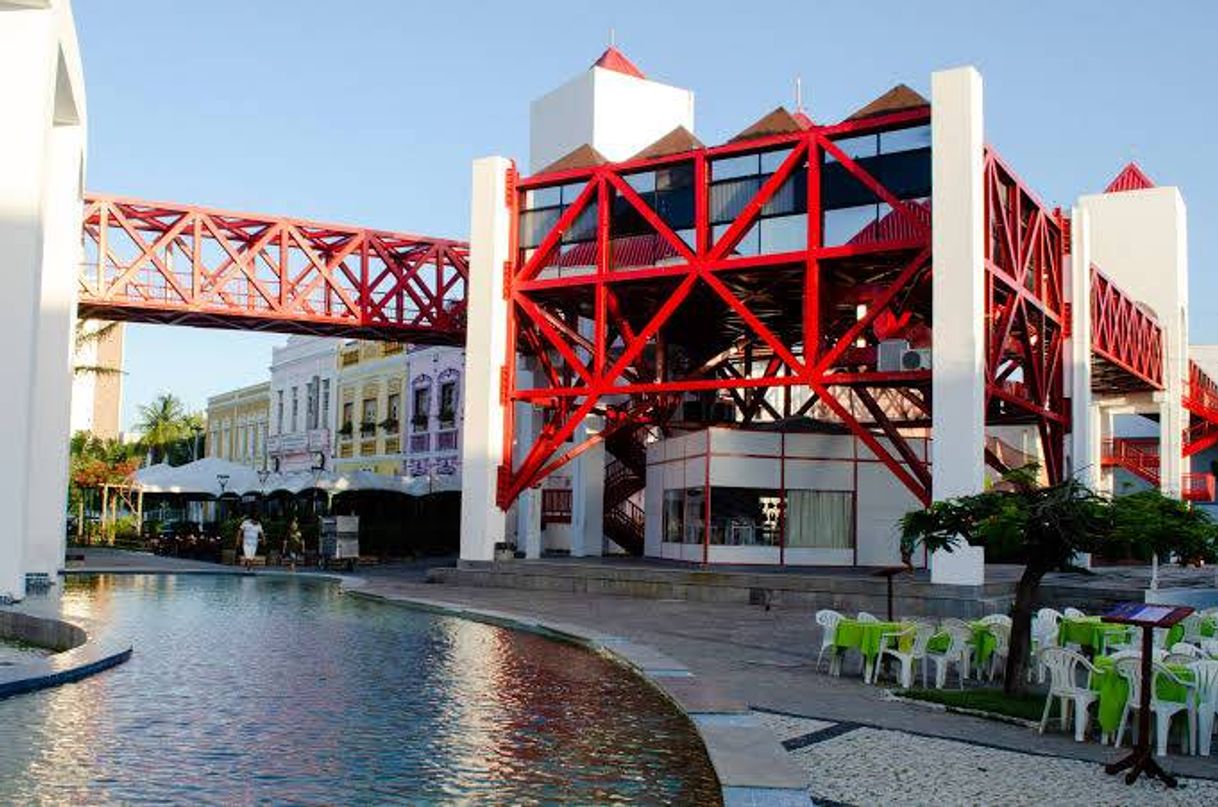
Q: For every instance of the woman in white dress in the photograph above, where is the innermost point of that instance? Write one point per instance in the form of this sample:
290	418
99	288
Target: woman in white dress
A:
250	531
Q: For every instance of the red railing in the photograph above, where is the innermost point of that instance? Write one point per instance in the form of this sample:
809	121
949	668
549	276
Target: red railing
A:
555	506
189	265
1126	336
1140	456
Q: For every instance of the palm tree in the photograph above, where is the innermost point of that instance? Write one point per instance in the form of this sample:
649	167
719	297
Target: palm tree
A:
163	423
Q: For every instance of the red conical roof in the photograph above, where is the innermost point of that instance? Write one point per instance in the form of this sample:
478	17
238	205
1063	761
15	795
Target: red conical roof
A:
614	59
1131	178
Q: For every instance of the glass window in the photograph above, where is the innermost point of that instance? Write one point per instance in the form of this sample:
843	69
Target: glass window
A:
421	408
694	516
916	137
369	412
674	516
745	516
448	401
394	403
295	407
856	147
348	414
279	413
325	403
820	518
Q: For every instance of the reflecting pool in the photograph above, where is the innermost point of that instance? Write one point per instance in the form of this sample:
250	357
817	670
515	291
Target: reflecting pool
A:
281	690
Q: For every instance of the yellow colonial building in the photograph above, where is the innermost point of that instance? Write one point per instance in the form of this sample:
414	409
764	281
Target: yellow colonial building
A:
371	379
237	425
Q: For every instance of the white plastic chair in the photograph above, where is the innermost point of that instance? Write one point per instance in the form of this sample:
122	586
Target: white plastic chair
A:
890	647
1131	670
827	618
1186	649
1045	626
1192	628
996	619
1206	700
1210	647
1073	613
958	652
1002	648
866	617
1063	665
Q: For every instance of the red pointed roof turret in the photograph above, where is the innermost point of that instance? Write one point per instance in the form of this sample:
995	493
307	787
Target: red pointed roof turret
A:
1131	178
614	59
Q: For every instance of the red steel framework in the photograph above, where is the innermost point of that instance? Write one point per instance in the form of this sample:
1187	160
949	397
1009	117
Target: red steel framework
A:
189	265
1026	315
1201	402
1125	338
626	337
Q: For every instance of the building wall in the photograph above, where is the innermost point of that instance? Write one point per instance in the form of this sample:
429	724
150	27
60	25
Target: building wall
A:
370	374
617	114
1140	240
97	397
433	443
374	378
237	425
774	461
305	370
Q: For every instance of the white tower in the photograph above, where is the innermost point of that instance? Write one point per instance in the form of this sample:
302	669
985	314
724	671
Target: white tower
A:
611	107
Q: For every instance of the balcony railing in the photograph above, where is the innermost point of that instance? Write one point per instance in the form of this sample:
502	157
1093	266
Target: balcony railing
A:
447	441
420	443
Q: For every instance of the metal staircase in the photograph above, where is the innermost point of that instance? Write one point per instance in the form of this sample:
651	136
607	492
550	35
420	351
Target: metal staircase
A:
625	476
1140	456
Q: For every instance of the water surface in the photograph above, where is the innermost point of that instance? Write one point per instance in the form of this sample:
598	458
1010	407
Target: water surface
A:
278	690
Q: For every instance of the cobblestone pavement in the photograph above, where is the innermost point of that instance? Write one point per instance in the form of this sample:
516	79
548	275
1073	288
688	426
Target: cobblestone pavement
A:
853	764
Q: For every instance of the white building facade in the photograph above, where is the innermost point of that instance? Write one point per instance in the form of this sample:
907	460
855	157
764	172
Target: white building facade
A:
302	404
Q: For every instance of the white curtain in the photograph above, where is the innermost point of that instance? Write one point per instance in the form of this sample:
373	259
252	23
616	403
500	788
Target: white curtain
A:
823	519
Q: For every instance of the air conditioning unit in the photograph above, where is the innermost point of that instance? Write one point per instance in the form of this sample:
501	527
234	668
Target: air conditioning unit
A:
918	359
891	354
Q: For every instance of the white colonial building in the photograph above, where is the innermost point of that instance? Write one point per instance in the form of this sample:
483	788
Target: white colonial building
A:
302	421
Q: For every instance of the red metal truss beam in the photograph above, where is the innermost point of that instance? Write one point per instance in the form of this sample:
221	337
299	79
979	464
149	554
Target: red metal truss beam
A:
1201	402
626	368
1025	311
1124	334
190	265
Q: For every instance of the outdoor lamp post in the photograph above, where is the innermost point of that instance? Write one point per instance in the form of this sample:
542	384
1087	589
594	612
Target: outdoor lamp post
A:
222	479
263	474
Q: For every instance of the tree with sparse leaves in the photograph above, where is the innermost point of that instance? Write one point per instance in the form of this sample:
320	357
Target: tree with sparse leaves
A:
1047	526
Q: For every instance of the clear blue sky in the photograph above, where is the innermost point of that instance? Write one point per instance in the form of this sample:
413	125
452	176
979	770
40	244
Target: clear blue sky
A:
370	112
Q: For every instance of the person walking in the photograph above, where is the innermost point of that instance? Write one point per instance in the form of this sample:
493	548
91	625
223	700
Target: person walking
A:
251	532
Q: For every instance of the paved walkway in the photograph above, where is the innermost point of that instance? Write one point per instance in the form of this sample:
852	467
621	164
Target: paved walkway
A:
857	746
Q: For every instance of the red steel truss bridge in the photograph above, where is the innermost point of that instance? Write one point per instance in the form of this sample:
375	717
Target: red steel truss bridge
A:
189	265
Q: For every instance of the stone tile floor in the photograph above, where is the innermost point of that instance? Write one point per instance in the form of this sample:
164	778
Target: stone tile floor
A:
850	763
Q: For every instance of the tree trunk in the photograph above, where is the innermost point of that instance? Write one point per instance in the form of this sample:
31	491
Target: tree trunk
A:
1021	629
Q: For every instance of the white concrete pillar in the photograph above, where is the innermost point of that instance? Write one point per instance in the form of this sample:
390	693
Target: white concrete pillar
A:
958	379
528	508
1084	437
482	521
51	392
1171	439
39	60
588	496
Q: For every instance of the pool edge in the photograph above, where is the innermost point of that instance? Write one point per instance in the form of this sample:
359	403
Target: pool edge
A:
89	657
750	764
